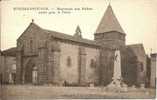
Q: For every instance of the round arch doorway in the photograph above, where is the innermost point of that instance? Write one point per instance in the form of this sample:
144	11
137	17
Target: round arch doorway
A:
31	73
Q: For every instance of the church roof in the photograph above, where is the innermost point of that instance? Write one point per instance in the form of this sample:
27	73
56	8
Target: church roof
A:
140	45
63	36
109	22
137	48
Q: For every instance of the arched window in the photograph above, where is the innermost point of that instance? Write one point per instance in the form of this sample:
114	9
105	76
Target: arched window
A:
69	63
92	63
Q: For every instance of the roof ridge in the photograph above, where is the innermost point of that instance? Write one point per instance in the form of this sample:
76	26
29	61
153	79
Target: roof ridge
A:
57	32
135	44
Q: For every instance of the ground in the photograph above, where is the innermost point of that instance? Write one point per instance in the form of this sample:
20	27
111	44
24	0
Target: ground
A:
28	92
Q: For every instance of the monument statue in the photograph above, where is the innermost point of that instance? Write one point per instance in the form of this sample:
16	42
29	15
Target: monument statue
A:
117	66
117	77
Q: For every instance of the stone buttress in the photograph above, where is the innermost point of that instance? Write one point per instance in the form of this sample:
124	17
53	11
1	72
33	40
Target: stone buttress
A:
82	65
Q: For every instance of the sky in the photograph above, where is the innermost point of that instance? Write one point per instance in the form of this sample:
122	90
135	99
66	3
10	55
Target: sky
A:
138	19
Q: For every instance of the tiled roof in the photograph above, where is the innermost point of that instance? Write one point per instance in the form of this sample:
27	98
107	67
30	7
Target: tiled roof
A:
10	52
154	55
109	22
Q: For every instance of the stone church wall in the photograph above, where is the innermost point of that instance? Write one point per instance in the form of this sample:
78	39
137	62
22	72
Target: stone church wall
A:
70	73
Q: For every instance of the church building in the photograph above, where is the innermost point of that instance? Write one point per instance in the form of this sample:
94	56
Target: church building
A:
50	57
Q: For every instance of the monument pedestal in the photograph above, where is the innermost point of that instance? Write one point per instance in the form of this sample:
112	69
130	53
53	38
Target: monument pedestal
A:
117	85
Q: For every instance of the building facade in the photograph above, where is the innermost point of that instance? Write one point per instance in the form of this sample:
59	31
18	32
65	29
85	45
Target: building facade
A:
153	70
8	66
49	57
0	67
